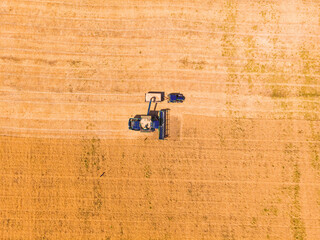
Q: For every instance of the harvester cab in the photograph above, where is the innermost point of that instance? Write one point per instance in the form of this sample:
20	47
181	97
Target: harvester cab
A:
134	124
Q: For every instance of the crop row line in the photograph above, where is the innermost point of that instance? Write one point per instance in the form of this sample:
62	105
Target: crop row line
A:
72	93
167	39
159	180
170	5
155	55
240	73
160	44
126	138
157	30
61	130
148	18
137	200
35	75
211	157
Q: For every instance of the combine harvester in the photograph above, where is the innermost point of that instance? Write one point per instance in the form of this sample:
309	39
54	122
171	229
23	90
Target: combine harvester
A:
153	119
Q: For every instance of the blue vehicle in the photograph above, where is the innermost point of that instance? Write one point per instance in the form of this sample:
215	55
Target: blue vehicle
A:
152	121
147	123
134	124
144	123
176	98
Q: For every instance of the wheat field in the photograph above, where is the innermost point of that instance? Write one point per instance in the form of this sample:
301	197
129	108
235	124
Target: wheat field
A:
242	159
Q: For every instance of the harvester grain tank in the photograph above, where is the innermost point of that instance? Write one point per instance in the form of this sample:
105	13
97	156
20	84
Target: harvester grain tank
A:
154	96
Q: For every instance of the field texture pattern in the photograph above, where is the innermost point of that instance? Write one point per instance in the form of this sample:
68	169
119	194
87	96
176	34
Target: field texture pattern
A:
243	157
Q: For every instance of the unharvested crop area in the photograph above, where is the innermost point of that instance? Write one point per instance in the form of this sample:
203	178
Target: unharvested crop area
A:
243	158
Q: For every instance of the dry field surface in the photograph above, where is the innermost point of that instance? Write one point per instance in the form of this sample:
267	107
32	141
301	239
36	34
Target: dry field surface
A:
243	157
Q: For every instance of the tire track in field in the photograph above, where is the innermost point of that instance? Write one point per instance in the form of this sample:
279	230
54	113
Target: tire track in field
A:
92	160
296	218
